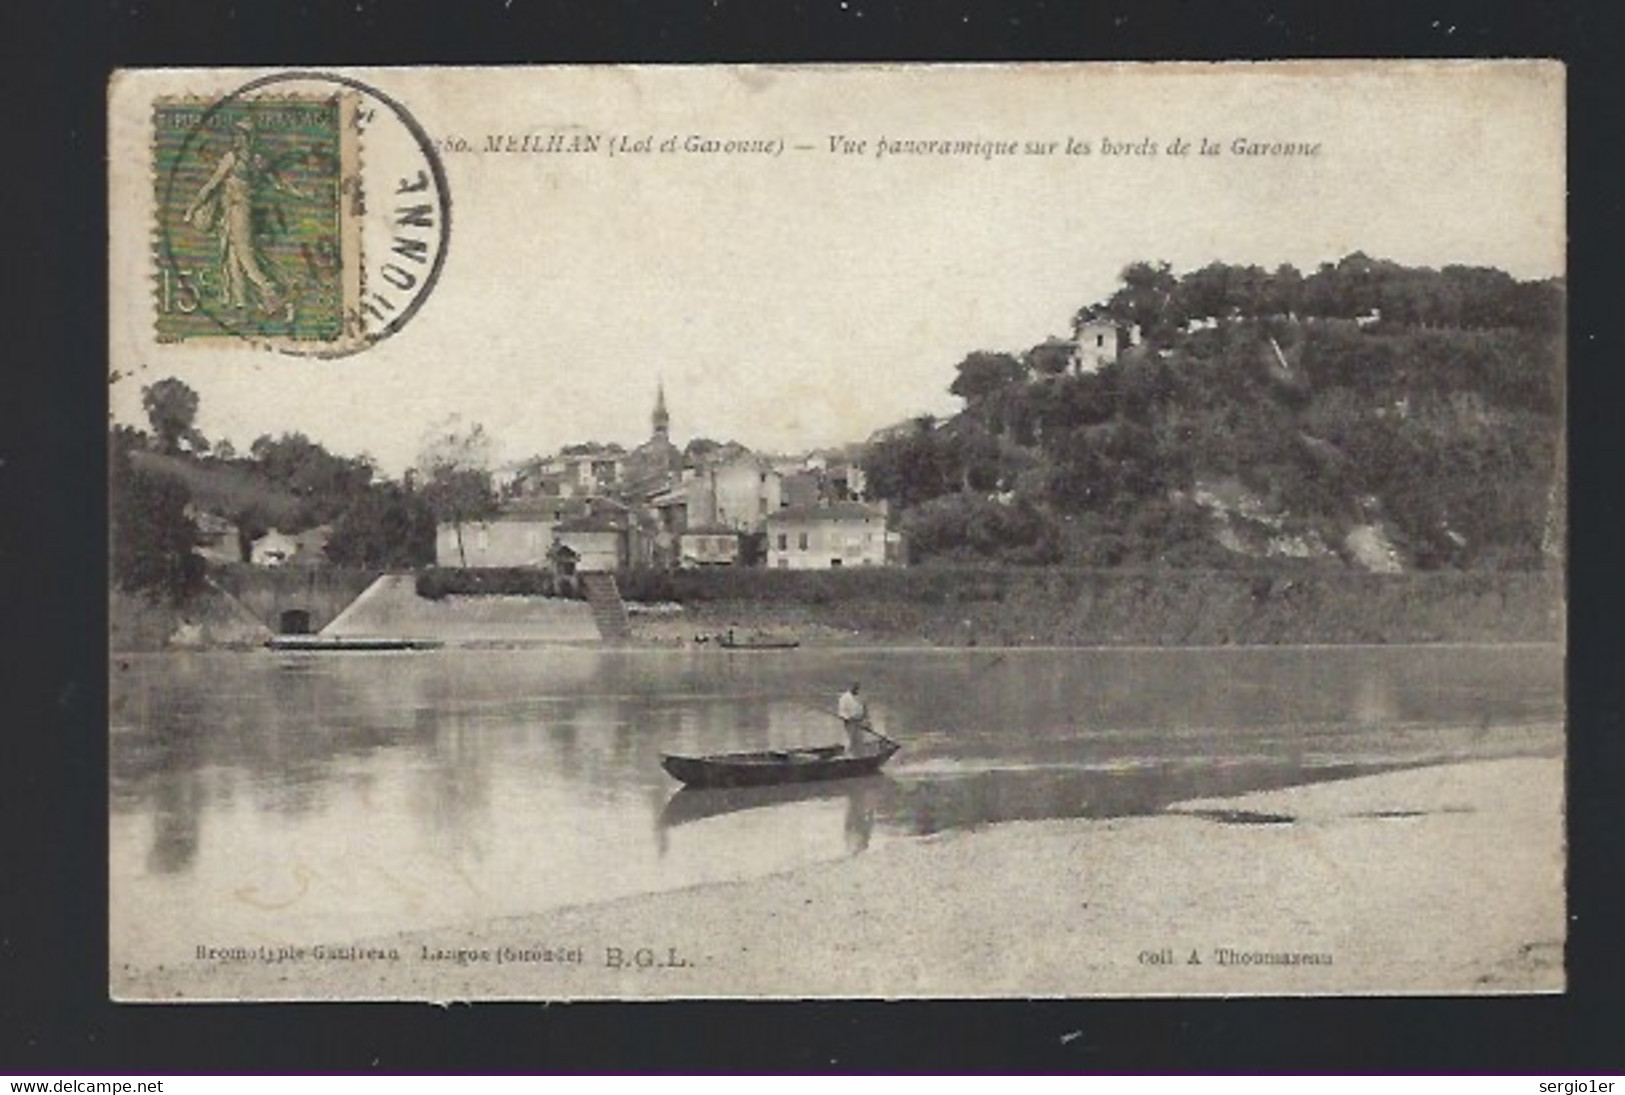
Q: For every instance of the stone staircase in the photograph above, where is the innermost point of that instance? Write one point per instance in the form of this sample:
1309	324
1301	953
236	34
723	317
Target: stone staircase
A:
608	610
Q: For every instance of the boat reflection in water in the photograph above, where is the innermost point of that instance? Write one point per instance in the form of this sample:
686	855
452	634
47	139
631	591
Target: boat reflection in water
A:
864	797
929	798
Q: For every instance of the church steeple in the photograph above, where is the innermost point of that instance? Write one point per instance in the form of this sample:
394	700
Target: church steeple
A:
660	419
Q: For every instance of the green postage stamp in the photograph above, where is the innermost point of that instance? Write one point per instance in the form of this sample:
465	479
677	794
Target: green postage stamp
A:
258	220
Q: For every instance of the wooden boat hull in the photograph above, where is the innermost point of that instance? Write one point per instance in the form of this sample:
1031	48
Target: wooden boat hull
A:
340	644
776	766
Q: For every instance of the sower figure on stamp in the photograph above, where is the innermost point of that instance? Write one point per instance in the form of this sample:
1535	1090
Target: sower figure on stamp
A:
225	205
856	717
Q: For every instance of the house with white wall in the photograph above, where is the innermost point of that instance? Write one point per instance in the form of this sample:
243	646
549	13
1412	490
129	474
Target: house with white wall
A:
708	546
1098	344
599	542
739	493
518	536
841	534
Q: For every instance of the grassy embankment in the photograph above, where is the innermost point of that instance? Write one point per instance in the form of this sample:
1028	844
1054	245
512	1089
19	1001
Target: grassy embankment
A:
1069	607
962	606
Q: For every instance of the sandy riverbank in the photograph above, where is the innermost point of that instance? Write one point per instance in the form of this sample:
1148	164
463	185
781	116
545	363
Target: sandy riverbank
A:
1437	880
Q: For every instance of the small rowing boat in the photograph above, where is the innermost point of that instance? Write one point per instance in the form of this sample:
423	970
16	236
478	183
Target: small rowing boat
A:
758	644
777	766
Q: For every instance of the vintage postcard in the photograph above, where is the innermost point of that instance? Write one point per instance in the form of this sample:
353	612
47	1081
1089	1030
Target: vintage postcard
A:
837	531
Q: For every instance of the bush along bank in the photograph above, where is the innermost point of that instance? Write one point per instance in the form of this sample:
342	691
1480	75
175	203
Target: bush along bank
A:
1075	607
436	583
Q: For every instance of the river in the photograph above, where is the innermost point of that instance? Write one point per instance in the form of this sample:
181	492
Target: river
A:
265	798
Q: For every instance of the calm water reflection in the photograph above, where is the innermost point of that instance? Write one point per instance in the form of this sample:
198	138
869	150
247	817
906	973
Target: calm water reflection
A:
258	797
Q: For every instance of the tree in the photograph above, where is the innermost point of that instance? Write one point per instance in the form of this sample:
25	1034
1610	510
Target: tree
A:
153	534
911	469
387	527
454	463
1106	468
1052	357
983	374
974	455
171	408
1071	401
324	483
1284	294
252	520
970	528
1148	299
991	386
701	447
1205	293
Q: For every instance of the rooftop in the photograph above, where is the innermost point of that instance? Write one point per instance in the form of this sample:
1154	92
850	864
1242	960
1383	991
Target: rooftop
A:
530	509
835	511
592	523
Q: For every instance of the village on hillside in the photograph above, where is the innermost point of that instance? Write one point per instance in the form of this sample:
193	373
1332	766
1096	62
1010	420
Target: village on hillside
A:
602	507
1365	419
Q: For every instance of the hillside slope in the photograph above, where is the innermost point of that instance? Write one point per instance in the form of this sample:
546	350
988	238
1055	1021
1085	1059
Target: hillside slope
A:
1253	425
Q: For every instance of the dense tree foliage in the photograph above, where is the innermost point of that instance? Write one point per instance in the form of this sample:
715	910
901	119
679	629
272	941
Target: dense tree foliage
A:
387	528
1149	300
171	407
288	482
983	375
930	462
1052	357
966	527
153	534
325	484
1427	400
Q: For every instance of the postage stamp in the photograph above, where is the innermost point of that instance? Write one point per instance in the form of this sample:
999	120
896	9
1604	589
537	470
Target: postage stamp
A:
255	237
269	199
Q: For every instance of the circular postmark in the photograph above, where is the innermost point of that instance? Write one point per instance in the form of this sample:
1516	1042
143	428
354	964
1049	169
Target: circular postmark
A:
304	212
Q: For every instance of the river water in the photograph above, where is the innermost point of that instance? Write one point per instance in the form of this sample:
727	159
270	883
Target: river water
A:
266	798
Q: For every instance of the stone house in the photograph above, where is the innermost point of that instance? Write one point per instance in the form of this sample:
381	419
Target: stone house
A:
599	542
841	534
518	536
708	545
740	494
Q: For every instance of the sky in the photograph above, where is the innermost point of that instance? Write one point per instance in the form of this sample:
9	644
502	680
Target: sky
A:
806	299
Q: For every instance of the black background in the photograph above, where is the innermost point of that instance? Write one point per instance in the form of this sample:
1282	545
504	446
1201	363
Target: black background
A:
54	1015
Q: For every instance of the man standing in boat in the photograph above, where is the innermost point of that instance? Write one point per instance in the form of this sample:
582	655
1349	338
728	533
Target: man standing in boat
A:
856	717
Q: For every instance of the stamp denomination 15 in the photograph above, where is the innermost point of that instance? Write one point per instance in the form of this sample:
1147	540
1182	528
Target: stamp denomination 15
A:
302	212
